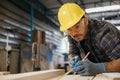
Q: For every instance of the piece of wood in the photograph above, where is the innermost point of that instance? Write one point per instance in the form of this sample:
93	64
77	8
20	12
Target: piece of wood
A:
103	76
78	77
4	73
58	74
38	75
72	77
112	76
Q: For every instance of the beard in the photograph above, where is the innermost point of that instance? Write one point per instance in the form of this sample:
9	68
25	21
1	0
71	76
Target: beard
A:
78	37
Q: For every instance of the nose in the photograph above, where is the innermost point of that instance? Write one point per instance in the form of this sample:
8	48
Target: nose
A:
76	35
73	33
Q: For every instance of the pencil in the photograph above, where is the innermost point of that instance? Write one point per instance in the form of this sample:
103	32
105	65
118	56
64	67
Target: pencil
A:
86	56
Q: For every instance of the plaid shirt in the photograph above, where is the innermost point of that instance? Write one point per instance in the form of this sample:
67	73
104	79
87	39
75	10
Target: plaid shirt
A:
103	42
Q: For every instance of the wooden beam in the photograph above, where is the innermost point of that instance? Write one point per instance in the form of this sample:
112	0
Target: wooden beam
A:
58	74
4	73
72	77
103	76
38	75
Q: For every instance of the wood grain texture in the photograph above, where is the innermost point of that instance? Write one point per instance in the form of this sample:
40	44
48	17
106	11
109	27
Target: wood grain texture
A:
58	75
103	76
4	73
38	75
72	77
112	76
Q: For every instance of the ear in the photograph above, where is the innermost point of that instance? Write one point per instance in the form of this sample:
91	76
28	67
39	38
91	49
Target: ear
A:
86	20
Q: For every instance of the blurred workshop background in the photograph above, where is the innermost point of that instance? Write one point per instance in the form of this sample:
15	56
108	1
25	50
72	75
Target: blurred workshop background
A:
30	39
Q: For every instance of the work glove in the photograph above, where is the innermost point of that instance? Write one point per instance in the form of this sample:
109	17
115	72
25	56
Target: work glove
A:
88	68
74	61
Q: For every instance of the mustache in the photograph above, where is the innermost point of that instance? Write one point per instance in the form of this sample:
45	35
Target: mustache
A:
77	35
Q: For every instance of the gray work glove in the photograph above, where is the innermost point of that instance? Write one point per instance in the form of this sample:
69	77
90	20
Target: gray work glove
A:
88	68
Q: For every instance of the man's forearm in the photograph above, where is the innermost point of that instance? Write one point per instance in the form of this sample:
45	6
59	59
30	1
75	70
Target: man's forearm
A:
113	66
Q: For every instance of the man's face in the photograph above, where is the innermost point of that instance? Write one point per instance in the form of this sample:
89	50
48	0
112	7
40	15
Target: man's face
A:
79	31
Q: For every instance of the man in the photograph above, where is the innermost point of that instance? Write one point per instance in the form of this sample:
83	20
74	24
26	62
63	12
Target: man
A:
100	38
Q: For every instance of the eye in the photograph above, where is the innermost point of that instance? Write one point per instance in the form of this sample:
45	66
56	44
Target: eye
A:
69	29
77	26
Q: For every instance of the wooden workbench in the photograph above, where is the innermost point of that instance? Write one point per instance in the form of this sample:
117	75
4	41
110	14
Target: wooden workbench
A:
57	74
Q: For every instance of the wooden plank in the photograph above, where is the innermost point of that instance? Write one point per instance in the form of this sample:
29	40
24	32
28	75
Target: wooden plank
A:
38	75
4	73
103	76
71	77
112	76
78	77
57	75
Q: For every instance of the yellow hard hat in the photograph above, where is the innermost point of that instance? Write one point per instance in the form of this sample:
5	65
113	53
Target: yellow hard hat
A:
69	14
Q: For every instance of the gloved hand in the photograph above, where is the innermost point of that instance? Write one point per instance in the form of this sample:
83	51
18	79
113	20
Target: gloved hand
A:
74	61
88	68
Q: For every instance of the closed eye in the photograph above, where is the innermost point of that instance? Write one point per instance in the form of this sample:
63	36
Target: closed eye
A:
77	26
